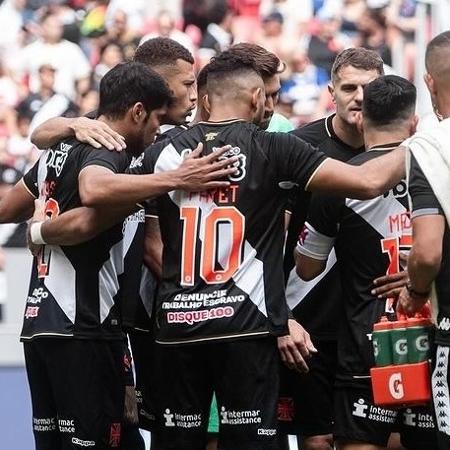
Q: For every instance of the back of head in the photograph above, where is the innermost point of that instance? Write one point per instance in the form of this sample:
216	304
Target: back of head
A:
388	101
359	58
437	57
266	63
232	76
162	52
130	83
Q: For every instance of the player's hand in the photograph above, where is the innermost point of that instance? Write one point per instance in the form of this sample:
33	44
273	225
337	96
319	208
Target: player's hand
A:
200	173
390	286
296	347
97	134
38	216
409	305
130	408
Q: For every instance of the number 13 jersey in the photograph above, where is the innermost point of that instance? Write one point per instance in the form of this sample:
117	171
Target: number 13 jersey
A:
222	260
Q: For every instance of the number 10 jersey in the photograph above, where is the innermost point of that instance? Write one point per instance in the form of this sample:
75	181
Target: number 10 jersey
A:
222	260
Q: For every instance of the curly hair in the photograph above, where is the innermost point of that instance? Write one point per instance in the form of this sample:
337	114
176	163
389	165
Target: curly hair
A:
162	52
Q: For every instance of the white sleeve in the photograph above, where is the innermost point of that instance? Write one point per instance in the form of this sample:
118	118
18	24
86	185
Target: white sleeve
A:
314	244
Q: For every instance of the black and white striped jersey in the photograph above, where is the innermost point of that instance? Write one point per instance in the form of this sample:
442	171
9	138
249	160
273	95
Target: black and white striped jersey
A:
222	261
368	237
316	304
75	290
424	202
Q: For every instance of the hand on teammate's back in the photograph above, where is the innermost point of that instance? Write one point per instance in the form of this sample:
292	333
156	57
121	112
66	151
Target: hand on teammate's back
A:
200	173
97	134
295	347
391	285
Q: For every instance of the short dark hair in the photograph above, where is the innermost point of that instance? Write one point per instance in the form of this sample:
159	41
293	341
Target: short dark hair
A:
129	83
388	99
439	41
228	63
202	77
162	51
219	10
266	63
358	57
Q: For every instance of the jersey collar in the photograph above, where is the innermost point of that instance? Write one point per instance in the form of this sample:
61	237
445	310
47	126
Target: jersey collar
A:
331	134
385	147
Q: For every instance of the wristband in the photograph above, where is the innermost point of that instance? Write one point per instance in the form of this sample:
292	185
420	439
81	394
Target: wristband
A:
36	233
413	293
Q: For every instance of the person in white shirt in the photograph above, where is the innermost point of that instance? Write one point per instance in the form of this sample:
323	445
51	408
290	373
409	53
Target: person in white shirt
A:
50	48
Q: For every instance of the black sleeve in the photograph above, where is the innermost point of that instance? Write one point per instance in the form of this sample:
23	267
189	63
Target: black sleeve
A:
424	202
324	213
151	208
116	162
30	179
294	159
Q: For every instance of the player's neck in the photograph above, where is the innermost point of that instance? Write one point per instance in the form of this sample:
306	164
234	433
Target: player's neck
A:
374	138
229	112
347	133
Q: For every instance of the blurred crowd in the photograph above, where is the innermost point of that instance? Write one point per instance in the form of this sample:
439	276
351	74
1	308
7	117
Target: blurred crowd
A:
53	53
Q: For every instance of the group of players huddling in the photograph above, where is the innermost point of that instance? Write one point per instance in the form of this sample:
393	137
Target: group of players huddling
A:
175	244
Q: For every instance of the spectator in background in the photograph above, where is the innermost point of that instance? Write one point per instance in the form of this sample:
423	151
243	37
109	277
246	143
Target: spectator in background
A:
111	54
51	48
120	31
327	42
88	101
45	102
165	27
373	33
9	96
134	9
11	22
217	36
352	11
273	37
295	18
306	89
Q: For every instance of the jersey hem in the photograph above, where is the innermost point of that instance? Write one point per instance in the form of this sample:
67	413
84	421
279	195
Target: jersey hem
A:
211	339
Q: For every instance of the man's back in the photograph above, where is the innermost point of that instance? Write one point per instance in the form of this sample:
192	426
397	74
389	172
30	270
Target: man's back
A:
73	289
222	274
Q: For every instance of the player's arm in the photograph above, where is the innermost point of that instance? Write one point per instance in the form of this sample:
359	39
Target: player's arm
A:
74	226
99	186
428	226
17	204
89	131
366	181
153	246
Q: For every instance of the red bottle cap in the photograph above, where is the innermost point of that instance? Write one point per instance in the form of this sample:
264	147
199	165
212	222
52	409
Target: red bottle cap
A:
383	324
399	324
418	322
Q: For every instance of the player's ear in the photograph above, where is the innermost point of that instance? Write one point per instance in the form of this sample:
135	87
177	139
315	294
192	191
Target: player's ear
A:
206	104
256	96
138	113
414	122
331	91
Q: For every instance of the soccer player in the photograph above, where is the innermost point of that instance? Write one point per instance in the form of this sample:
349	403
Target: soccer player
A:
429	262
72	328
231	296
362	234
307	399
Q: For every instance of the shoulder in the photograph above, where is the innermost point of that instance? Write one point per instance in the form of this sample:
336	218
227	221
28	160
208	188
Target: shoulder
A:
314	132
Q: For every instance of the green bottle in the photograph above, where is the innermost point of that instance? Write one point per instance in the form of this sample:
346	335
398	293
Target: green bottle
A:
417	332
381	340
399	342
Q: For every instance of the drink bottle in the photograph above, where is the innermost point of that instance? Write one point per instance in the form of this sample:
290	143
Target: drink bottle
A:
381	340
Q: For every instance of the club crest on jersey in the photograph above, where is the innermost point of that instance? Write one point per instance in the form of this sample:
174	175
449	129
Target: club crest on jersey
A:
398	191
240	164
57	158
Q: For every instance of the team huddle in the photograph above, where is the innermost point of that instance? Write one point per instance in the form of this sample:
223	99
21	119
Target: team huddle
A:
243	268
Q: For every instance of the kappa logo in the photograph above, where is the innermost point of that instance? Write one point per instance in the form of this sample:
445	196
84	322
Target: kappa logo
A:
57	158
168	417
444	324
137	161
360	408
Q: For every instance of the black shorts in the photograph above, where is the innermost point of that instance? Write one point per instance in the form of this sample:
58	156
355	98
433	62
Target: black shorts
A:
142	347
358	419
441	398
244	376
306	400
77	392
